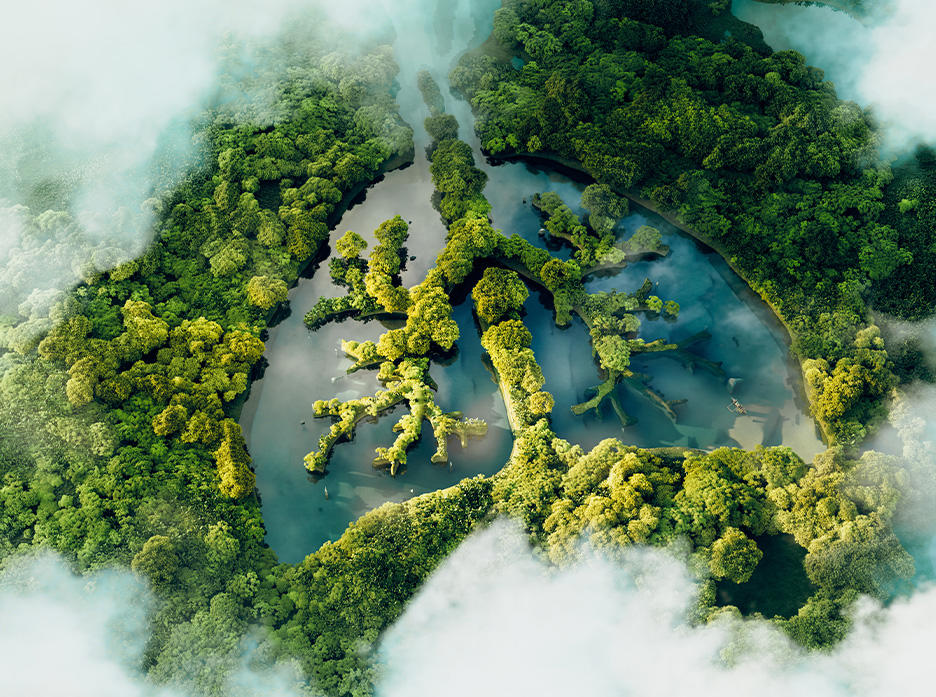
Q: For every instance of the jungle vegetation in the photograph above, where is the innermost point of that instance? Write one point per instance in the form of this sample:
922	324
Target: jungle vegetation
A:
119	442
752	152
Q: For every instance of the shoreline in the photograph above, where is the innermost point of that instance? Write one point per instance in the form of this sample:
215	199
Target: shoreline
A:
773	318
241	412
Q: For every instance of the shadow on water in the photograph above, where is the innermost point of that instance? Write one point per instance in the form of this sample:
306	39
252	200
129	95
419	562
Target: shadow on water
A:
779	585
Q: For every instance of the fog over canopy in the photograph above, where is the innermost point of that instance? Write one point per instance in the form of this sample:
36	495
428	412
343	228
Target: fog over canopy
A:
91	92
97	99
492	620
495	620
96	102
75	636
884	63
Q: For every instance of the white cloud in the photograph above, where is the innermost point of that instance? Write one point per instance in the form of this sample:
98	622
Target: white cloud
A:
90	92
495	620
66	635
884	64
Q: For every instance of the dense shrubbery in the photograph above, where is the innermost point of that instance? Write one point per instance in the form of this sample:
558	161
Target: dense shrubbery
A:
909	292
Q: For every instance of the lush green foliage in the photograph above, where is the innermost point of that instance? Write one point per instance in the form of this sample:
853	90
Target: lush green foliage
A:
720	502
117	434
755	153
910	207
118	439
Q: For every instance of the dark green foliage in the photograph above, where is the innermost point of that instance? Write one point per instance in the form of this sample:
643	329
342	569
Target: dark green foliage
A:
909	292
753	152
442	127
458	181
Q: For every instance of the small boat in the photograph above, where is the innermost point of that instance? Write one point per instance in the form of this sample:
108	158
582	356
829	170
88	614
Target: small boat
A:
737	407
326	491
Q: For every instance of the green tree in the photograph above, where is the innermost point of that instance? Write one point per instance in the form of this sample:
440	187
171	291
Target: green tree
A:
734	556
500	292
266	291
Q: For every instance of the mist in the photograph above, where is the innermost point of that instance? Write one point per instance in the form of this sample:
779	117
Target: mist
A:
85	636
104	121
496	620
70	635
883	63
97	99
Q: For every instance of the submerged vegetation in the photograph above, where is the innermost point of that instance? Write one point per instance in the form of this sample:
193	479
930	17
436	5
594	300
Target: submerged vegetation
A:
119	440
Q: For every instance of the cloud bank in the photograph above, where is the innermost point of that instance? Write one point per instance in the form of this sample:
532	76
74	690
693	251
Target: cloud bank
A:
67	635
84	636
96	98
495	620
884	64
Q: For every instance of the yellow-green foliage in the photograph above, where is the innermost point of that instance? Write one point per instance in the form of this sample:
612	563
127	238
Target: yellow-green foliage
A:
847	396
265	292
722	502
408	381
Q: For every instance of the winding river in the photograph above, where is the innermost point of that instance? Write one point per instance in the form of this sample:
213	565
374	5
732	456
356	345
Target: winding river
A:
303	367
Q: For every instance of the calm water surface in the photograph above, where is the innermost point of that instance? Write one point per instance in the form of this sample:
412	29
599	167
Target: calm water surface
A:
303	366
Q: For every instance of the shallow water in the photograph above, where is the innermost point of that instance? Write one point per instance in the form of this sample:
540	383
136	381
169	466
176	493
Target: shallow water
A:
743	339
303	366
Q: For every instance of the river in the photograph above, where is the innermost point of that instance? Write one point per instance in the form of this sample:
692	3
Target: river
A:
304	366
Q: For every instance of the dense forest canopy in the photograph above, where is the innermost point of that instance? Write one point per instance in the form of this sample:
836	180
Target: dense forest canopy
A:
119	439
752	152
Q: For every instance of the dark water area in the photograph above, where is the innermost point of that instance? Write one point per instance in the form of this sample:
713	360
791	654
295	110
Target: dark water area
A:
304	366
745	339
779	585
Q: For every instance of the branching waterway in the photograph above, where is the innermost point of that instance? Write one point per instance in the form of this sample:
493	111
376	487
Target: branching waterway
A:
301	512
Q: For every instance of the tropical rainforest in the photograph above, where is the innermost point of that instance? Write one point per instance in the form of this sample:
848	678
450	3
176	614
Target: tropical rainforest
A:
120	399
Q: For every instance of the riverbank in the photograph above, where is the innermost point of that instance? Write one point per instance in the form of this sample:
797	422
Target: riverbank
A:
243	409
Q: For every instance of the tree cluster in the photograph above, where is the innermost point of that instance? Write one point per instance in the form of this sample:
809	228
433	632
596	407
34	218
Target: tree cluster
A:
754	152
